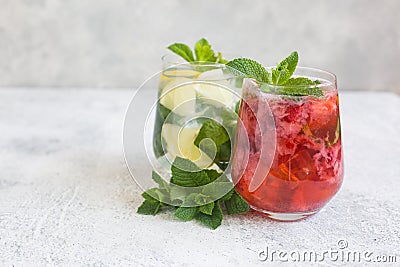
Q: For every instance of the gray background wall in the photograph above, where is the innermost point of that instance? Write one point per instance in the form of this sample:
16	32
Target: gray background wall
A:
99	43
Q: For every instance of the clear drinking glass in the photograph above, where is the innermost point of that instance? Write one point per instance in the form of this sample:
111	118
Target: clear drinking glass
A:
189	95
287	160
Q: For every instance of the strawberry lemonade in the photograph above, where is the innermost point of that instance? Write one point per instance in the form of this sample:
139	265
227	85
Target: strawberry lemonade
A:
295	171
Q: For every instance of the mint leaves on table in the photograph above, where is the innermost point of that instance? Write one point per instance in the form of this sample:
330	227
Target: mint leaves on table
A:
200	204
236	204
281	76
186	173
202	50
149	207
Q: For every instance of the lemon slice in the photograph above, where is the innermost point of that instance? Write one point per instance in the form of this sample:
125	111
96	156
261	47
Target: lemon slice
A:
180	142
215	94
212	75
181	99
173	74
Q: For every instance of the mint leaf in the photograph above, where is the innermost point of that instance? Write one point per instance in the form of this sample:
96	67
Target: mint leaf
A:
237	107
200	202
186	213
185	200
150	194
212	174
201	199
220	59
250	69
213	130
224	152
149	207
178	193
303	87
285	69
182	50
299	81
229	118
217	190
207	208
214	220
186	173
300	86
220	137
236	204
228	195
163	111
156	194
159	180
203	51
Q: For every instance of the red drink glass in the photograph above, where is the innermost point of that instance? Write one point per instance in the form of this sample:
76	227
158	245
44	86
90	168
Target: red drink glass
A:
287	160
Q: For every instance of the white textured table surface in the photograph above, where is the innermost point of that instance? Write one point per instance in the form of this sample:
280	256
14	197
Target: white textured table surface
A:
66	197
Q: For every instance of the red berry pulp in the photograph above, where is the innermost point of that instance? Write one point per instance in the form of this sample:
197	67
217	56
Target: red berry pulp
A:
307	163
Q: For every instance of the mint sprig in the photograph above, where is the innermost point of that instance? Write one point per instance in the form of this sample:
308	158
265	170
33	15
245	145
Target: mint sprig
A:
182	50
199	204
285	69
281	76
202	50
250	69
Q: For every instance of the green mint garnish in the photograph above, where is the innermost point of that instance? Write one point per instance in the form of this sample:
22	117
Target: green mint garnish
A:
281	75
250	69
183	51
200	204
300	86
220	59
300	81
202	50
285	69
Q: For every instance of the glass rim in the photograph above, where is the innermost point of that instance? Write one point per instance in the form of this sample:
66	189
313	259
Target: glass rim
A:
165	59
227	75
